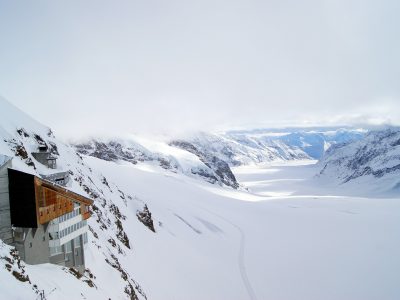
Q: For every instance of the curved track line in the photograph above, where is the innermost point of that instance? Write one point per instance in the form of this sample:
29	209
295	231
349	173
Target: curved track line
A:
241	264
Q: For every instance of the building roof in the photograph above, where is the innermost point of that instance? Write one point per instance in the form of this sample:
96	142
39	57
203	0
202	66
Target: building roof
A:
64	192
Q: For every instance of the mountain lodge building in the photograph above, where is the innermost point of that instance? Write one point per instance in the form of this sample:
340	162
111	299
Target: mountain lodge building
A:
41	218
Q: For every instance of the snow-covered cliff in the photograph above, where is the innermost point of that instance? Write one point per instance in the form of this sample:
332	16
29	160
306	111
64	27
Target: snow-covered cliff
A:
186	160
370	163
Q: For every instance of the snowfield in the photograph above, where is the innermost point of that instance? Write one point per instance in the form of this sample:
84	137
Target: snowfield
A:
284	239
163	228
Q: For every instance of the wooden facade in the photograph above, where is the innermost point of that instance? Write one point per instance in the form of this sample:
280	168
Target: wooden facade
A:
35	201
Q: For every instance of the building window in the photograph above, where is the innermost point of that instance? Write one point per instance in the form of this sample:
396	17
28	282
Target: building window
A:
55	250
68	247
30	245
77	241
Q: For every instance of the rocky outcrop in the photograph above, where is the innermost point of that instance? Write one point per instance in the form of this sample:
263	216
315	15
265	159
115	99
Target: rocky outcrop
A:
111	151
376	156
144	216
222	171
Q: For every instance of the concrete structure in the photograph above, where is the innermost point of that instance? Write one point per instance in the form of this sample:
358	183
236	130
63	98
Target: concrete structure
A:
61	178
45	157
5	217
44	221
68	235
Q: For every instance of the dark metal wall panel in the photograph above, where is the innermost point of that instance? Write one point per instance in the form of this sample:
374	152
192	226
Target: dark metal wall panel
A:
22	199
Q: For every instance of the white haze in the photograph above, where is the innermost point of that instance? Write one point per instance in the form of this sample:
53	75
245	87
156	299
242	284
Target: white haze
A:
92	67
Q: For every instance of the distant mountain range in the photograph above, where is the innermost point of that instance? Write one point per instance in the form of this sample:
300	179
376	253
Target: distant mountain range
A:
213	154
313	141
344	154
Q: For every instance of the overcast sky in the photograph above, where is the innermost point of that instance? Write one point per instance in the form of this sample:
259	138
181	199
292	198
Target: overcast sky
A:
156	65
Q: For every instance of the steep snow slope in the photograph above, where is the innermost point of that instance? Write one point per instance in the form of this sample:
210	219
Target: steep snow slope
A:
372	164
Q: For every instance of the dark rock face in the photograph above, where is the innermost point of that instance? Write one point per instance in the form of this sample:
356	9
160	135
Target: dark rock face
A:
204	174
18	148
144	216
111	151
221	169
129	289
22	132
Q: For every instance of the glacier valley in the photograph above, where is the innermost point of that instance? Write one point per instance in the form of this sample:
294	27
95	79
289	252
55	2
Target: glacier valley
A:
313	214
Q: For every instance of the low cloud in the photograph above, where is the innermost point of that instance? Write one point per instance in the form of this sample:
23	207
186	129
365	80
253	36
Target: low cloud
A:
94	67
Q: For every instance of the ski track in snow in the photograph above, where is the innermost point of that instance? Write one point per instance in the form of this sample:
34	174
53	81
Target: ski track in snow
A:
241	257
242	266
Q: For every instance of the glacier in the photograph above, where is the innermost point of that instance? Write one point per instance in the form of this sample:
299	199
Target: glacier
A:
293	227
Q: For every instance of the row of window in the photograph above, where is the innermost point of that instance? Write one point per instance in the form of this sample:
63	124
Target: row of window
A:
68	246
60	181
72	228
55	250
60	234
70	215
